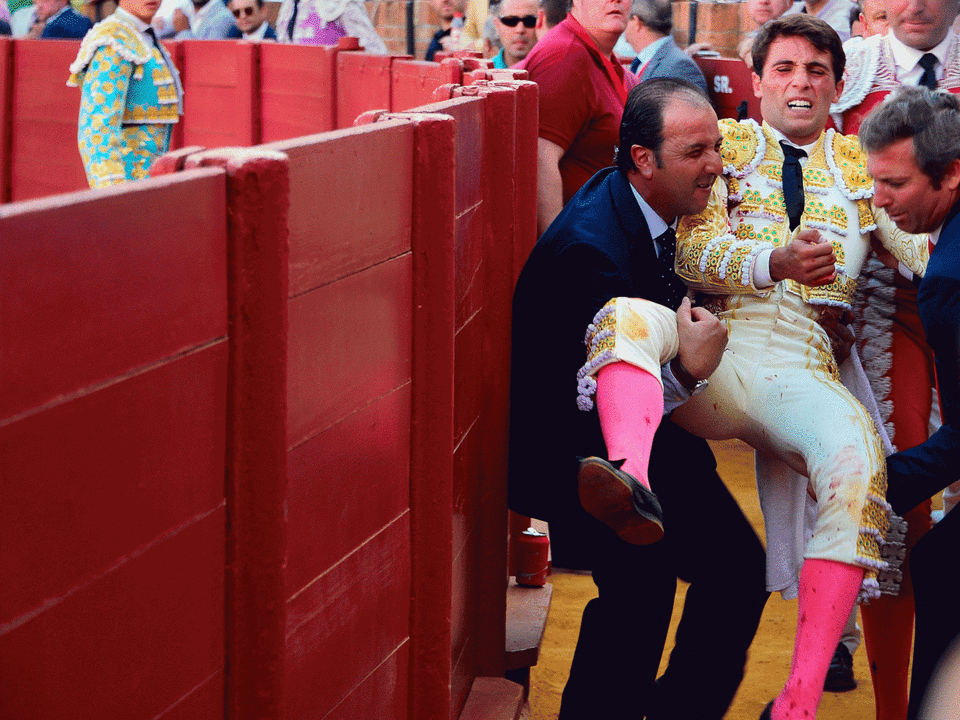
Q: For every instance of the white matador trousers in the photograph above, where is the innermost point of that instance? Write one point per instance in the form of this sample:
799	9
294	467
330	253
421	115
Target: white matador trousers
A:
778	389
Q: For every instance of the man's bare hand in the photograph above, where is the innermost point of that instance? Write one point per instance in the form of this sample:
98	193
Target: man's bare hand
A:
703	338
180	21
808	259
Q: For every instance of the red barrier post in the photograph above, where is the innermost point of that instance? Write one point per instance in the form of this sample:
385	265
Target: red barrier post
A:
257	200
729	83
414	81
432	401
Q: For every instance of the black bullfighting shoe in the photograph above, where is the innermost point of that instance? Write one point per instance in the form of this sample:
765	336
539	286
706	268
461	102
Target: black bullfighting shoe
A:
618	500
765	715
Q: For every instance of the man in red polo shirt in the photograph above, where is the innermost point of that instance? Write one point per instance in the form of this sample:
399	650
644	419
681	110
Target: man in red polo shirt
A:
582	92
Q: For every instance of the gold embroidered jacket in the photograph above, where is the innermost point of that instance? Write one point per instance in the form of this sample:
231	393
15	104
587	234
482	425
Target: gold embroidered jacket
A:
746	214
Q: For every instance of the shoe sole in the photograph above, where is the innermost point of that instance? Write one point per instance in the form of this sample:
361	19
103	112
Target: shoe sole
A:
609	499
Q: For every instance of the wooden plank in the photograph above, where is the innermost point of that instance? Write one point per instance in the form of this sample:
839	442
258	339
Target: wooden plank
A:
348	340
527	611
362	216
298	90
97	284
342	626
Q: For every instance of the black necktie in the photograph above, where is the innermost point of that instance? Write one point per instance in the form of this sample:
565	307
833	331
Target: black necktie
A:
793	183
929	78
149	32
675	288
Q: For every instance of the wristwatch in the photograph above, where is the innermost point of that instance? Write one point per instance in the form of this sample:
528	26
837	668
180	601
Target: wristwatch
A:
692	384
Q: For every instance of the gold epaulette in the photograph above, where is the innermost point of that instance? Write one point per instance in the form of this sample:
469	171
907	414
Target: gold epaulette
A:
112	32
743	147
848	164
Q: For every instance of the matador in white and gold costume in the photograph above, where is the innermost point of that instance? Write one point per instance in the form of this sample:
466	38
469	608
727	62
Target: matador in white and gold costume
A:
131	98
777	386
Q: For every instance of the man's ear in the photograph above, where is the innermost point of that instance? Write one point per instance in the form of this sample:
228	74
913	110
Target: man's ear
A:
643	160
757	89
951	178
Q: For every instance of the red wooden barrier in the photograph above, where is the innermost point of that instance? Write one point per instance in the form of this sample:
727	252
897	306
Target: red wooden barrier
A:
112	417
175	49
299	90
221	93
45	159
363	83
413	81
729	82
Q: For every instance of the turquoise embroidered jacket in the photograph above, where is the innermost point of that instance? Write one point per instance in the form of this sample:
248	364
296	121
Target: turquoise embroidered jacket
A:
131	97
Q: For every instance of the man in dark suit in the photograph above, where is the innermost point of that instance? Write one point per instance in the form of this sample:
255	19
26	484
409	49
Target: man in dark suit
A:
250	18
61	21
648	32
913	146
604	244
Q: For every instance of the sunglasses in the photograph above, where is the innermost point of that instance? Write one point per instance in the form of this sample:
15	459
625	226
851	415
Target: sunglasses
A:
529	21
246	12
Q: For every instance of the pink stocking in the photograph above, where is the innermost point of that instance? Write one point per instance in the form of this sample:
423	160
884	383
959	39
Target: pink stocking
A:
630	404
828	590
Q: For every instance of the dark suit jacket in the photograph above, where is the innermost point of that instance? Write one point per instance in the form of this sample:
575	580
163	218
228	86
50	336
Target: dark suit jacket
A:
670	61
598	248
921	472
68	24
235	33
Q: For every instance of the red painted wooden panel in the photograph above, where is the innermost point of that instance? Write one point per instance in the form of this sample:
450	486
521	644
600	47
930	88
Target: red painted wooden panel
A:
345	484
347	622
129	644
431	458
383	694
363	83
93	479
350	339
298	85
45	158
6	119
204	702
414	81
350	200
100	283
729	82
525	204
221	93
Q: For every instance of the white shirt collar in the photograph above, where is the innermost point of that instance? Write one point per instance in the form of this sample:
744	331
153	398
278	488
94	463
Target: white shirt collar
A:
650	50
655	223
258	33
907	57
783	138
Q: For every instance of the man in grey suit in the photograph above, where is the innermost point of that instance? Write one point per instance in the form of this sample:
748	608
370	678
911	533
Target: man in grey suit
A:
648	32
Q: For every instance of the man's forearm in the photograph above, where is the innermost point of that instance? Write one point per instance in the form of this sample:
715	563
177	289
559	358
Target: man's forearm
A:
549	184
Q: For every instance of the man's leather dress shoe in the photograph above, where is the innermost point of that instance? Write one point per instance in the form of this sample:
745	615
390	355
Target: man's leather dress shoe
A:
840	673
618	500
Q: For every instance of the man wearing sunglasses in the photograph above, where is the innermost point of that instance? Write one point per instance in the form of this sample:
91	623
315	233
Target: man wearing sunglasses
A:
250	18
515	23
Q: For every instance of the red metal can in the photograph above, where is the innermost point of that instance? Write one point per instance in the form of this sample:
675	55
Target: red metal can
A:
533	566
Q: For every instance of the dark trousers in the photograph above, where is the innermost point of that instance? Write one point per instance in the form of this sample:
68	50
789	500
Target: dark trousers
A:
708	543
936	589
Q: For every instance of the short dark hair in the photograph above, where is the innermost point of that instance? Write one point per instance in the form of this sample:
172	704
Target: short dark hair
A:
642	121
555	11
823	37
655	14
932	119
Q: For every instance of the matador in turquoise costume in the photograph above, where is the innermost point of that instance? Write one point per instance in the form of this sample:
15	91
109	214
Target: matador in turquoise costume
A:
131	98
